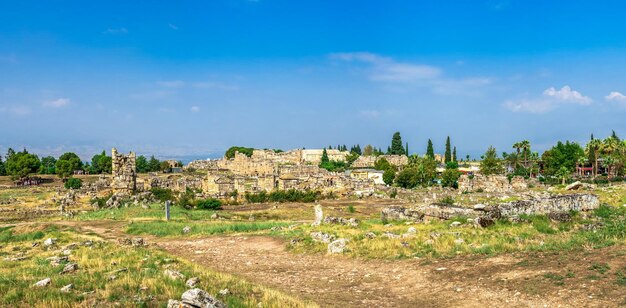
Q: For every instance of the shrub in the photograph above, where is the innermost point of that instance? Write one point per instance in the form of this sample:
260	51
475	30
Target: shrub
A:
393	194
73	183
209	204
351	208
162	194
290	195
447	200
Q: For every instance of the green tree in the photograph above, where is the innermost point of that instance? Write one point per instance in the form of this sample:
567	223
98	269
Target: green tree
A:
324	158
396	145
561	155
154	164
141	164
448	154
368	150
450	177
73	183
67	164
10	152
454	154
406	149
563	173
101	163
21	164
593	151
230	153
491	164
3	170
430	151
48	165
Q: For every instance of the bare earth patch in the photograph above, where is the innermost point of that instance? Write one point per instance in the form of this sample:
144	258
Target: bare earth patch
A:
339	281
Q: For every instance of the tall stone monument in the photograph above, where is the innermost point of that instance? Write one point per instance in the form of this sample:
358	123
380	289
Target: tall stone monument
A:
124	172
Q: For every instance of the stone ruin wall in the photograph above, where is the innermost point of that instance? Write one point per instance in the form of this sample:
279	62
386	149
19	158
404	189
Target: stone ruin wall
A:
369	161
267	170
124	172
491	183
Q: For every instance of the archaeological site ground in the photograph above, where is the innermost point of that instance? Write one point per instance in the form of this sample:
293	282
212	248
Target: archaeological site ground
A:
281	153
277	229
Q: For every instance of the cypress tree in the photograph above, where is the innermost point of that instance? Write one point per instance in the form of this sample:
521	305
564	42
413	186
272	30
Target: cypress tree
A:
406	150
324	157
396	144
454	154
430	152
448	154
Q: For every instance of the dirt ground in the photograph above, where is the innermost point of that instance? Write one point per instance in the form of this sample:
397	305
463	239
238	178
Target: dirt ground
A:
565	279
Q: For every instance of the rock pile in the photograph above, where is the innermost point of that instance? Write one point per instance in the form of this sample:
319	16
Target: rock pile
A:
196	298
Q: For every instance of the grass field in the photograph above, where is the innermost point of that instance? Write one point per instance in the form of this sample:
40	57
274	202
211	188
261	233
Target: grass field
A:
139	275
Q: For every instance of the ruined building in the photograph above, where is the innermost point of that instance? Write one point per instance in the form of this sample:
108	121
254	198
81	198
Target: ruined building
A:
124	172
267	170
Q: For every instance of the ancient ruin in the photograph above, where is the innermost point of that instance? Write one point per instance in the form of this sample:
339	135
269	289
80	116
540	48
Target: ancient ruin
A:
491	183
267	170
124	172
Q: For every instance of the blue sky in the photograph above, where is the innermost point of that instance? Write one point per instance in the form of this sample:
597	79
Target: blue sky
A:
194	77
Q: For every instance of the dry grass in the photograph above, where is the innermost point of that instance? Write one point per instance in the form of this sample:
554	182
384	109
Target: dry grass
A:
143	284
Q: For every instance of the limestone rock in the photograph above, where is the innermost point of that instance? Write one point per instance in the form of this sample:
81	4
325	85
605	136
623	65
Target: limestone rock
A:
455	224
224	292
200	298
319	215
370	235
341	221
186	229
67	288
192	282
173	274
337	246
56	261
574	186
49	242
397	212
322	237
43	283
560	216
69	268
412	230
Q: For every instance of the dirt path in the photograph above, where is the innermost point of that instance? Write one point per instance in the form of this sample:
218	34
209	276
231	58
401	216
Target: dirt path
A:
340	281
515	280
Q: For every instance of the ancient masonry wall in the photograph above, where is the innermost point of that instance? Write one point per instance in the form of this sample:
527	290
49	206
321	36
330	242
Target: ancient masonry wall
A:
491	183
124	172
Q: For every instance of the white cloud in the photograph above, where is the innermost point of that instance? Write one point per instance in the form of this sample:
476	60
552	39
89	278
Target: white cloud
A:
195	109
214	85
566	94
391	72
115	31
172	26
616	96
57	103
550	100
171	83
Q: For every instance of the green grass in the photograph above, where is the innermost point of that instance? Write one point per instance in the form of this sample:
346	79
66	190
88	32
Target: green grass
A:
155	211
537	234
142	284
174	228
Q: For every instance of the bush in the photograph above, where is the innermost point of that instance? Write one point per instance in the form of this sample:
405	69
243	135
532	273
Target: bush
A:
447	200
73	183
209	204
162	194
351	208
290	195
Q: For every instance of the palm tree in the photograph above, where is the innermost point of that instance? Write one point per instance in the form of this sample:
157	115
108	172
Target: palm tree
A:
609	147
581	159
517	146
525	145
594	147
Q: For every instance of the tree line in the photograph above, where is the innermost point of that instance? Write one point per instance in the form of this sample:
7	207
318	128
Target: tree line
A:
20	165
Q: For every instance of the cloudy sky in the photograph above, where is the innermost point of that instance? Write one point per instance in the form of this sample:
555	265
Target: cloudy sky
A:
195	77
